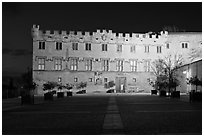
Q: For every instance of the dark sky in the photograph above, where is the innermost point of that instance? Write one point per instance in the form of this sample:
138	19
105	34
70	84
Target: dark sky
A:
18	19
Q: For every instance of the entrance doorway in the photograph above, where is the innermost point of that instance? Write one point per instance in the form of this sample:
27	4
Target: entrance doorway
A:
120	84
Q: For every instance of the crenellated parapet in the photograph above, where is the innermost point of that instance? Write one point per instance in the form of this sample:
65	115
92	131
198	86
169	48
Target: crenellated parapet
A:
100	36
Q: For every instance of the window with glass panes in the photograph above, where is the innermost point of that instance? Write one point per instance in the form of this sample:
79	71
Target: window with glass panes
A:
58	45
158	49
41	63
104	47
74	64
58	64
88	46
146	49
119	65
88	64
74	46
132	48
119	48
147	65
41	45
105	65
133	65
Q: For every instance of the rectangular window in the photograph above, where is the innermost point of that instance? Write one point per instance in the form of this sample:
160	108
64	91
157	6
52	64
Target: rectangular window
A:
74	46
146	49
134	79
146	65
41	63
119	48
58	45
133	65
158	49
74	64
105	80
119	65
90	79
88	64
58	64
88	46
104	47
132	48
184	45
59	79
167	45
75	79
105	65
41	45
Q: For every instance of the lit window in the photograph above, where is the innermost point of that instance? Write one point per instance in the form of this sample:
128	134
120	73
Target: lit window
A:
58	64
41	45
158	49
88	64
58	45
104	47
146	65
119	48
74	46
88	46
134	79
119	65
75	79
133	65
41	63
74	64
59	79
105	65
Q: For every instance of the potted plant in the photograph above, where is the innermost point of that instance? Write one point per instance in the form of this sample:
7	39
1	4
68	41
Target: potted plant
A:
49	86
194	94
80	86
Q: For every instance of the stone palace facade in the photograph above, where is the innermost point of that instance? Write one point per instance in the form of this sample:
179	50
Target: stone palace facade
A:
103	56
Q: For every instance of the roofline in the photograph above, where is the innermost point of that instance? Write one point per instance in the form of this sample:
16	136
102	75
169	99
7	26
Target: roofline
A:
187	33
189	63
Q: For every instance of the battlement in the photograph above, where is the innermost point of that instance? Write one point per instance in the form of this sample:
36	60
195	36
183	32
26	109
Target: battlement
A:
149	35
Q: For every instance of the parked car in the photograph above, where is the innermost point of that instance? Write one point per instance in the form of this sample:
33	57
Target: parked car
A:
110	91
81	91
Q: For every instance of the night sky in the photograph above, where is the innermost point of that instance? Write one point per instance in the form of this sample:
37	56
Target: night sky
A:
18	18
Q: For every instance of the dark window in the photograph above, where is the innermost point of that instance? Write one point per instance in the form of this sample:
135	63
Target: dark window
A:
58	45
41	45
74	46
167	45
134	79
88	46
105	80
90	79
146	49
158	49
119	48
104	47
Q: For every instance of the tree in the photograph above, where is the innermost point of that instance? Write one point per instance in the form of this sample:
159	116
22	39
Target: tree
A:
164	70
195	53
194	81
49	86
27	81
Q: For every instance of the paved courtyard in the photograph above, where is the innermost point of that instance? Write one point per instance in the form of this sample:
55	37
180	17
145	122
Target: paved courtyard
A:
102	114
